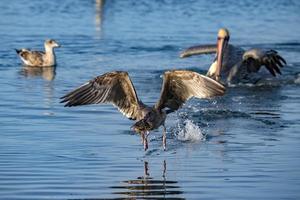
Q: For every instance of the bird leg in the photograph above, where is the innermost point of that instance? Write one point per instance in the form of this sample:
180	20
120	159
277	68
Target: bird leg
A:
145	139
164	137
165	169
142	137
146	169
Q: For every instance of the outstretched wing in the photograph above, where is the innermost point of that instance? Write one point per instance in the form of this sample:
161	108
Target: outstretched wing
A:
180	85
255	58
33	58
113	87
200	49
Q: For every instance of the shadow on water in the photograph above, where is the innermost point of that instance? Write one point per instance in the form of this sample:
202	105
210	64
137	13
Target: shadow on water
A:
47	73
147	187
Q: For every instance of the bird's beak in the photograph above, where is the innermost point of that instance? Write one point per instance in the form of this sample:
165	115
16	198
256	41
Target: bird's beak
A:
194	50
221	45
199	49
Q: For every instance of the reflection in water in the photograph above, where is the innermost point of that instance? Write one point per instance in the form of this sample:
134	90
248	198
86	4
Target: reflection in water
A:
48	73
49	96
99	15
146	187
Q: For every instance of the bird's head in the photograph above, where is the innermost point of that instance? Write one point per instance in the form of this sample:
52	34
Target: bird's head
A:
222	42
223	33
51	43
136	128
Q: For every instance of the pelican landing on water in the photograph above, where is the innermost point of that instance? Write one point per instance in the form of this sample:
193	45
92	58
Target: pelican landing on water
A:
39	58
117	88
234	64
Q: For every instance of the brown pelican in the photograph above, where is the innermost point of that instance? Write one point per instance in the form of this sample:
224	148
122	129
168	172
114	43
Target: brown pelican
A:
235	64
117	88
39	58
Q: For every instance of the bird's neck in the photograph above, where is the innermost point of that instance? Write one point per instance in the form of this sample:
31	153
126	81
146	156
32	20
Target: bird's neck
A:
50	55
49	50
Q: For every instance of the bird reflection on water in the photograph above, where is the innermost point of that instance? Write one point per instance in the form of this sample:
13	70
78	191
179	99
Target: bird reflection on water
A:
47	73
146	187
99	5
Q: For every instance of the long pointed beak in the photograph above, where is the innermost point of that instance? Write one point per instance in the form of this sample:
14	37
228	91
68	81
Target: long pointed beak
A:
199	49
220	51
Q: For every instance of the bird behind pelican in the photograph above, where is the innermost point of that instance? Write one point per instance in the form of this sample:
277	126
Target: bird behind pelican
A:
116	88
234	64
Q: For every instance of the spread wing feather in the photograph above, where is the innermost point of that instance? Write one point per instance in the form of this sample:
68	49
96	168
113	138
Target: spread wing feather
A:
180	85
255	58
113	87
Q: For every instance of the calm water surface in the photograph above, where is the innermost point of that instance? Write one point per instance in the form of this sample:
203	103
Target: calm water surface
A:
245	145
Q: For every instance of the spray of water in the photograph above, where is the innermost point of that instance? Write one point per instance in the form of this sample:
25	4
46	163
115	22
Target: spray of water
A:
297	79
190	132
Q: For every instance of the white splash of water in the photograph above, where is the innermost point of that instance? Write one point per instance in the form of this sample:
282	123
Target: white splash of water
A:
190	132
297	79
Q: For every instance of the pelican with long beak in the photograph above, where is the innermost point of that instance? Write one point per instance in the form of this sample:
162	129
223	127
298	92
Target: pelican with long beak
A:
39	58
234	64
117	88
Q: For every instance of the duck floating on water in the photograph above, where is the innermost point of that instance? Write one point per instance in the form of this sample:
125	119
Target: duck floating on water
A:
234	64
39	58
116	88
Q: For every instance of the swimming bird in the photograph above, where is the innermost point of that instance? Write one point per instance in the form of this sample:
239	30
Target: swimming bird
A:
39	58
116	88
234	64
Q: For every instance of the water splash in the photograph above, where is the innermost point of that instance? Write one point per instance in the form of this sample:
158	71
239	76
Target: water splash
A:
190	132
297	79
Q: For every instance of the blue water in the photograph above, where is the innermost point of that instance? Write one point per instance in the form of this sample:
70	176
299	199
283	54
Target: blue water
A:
245	145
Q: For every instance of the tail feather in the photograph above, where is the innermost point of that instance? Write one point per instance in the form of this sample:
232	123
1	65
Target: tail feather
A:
18	51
